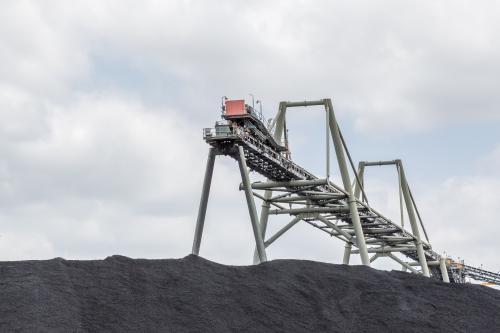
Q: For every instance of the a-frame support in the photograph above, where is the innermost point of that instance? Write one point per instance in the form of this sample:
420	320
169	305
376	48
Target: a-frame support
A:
405	193
333	130
259	243
202	210
261	252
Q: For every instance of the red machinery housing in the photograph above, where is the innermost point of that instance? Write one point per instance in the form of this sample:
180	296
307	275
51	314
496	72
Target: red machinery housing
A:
235	107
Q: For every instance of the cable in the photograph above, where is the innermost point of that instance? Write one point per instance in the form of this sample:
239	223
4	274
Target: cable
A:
418	214
352	165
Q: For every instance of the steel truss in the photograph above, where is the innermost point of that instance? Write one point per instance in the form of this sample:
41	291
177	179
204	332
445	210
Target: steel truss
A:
342	212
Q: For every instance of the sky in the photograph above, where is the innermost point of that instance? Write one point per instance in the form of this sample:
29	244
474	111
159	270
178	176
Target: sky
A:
102	105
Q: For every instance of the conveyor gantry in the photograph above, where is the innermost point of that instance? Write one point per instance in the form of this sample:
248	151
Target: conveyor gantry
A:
333	209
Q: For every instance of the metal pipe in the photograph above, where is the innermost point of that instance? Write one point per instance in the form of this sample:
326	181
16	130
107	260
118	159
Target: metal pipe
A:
295	211
264	215
291	183
429	263
202	210
378	231
399	261
379	163
374	257
413	222
357	180
400	185
361	176
370	209
282	231
418	215
304	103
360	239
279	121
339	195
251	205
327	146
347	253
263	198
308	197
338	188
388	249
334	227
444	269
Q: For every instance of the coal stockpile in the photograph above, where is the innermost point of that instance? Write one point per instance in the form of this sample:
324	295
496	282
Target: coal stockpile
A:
195	295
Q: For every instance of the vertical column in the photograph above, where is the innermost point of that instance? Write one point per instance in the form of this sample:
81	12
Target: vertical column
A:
279	122
339	150
361	177
264	216
347	253
203	201
327	144
413	221
400	196
444	269
251	205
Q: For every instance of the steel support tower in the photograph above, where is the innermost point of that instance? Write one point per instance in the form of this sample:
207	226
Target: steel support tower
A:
340	211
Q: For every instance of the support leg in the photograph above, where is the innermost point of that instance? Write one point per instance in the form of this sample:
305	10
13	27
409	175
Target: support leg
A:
283	230
339	150
361	177
402	263
400	196
374	257
264	216
444	270
413	221
347	253
251	205
203	202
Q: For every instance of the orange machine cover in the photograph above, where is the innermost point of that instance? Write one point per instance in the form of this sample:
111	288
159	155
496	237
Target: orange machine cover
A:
235	107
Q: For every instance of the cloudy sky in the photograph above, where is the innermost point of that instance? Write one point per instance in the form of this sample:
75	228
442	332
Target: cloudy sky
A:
102	105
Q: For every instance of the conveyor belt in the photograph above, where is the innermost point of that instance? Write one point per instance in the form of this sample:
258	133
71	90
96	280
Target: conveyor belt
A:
331	203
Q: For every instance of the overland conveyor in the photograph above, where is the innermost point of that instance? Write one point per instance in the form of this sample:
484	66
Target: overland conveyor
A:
333	209
269	163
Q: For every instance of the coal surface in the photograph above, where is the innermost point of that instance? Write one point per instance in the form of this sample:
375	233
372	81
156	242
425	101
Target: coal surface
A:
192	294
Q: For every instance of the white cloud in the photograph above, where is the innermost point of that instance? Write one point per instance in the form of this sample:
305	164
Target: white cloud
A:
101	106
461	219
102	159
36	54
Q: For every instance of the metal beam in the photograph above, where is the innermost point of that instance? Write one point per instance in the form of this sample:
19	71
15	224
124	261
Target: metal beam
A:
413	221
379	163
444	269
264	216
400	188
334	227
291	183
399	261
305	103
374	257
429	263
202	210
251	205
339	150
388	249
361	176
347	253
282	231
294	211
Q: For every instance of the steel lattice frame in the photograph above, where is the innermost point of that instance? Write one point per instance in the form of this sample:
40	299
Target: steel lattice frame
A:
333	209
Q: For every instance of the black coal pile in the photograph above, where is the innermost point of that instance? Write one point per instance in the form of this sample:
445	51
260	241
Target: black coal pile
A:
192	294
